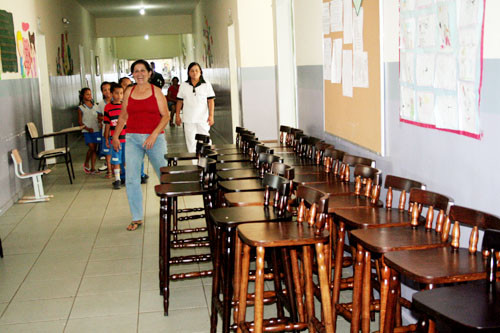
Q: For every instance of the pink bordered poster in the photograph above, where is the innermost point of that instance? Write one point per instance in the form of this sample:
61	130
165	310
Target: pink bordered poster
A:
441	64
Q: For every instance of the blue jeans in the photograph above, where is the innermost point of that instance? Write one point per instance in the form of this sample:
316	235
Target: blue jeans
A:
134	155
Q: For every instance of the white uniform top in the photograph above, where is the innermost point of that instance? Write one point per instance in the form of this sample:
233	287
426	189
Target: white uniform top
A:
195	107
89	117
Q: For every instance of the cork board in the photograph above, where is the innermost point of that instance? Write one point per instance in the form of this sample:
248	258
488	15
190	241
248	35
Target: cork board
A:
358	119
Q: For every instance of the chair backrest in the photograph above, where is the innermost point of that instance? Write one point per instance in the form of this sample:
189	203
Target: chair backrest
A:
491	248
265	162
284	130
209	167
259	148
370	178
313	207
202	137
282	169
404	185
352	160
433	201
32	130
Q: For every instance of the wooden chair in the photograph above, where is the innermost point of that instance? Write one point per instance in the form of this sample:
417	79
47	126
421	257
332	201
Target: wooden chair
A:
169	194
378	242
444	265
469	307
36	178
222	223
201	140
43	155
290	236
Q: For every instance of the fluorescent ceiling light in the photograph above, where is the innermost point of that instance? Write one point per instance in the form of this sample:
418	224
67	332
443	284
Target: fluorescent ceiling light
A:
142	11
146	36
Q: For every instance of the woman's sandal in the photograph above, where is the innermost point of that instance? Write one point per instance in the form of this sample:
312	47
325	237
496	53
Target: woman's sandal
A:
134	225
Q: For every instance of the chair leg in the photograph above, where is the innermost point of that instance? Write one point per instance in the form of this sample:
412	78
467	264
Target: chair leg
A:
366	292
298	286
324	284
166	263
306	253
242	306
277	283
1	249
391	302
216	279
40	164
337	273
357	288
67	168
384	292
71	164
259	290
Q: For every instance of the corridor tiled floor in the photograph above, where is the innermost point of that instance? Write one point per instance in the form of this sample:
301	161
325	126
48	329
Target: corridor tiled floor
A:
70	265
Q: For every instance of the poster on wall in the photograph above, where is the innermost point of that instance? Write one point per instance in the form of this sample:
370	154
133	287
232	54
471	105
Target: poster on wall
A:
7	42
26	50
441	43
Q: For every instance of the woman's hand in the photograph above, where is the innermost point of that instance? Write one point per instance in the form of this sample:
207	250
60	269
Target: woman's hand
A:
210	120
150	141
178	120
106	141
116	143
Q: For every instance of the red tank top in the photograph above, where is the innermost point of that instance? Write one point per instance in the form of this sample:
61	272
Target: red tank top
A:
143	114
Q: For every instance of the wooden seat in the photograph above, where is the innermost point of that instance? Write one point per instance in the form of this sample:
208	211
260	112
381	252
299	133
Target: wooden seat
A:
290	236
448	264
234	166
270	185
238	174
169	230
348	219
377	242
43	155
470	307
223	223
36	178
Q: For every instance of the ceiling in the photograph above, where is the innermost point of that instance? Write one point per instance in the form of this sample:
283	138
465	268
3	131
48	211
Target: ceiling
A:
120	8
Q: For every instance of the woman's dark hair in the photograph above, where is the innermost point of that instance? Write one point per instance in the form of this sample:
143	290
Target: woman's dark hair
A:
191	65
81	93
122	79
143	62
175	78
105	83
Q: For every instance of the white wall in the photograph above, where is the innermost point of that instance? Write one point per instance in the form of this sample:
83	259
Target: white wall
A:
156	47
308	32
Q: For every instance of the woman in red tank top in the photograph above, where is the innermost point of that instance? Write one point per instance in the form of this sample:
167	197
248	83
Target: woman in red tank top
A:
144	110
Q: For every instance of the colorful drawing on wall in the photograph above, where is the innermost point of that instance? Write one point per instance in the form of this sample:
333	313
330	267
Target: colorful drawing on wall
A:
64	61
207	45
7	42
26	51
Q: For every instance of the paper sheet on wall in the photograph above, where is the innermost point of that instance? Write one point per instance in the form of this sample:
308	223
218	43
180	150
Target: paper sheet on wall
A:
360	69
467	55
444	28
357	30
336	15
408	34
326	18
445	112
407	5
445	72
468	12
347	21
407	103
407	67
424	3
347	73
327	58
426	28
336	76
425	107
425	69
467	107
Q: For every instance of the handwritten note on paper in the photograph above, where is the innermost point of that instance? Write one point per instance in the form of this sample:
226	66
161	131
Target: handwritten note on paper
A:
347	73
446	72
327	58
407	67
336	15
467	55
407	5
408	34
425	107
347	21
467	107
407	103
357	32
360	69
426	27
336	76
326	18
425	69
468	13
445	112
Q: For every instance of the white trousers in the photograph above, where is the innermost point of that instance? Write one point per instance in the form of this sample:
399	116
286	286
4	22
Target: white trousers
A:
190	131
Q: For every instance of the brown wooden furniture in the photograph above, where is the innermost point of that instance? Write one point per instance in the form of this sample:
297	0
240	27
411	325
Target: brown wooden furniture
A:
43	155
169	231
270	186
309	230
222	224
470	307
377	243
201	140
348	220
444	265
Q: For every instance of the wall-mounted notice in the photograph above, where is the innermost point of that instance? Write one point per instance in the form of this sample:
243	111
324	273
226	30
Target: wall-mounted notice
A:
441	45
336	15
326	18
327	58
347	73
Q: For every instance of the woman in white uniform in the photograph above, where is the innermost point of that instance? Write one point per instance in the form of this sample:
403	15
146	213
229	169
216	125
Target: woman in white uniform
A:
196	99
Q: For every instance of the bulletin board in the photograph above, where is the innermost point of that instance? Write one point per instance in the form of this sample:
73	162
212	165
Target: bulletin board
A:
441	61
352	72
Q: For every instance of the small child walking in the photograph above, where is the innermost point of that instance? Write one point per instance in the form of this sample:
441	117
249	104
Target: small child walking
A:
103	149
112	111
88	113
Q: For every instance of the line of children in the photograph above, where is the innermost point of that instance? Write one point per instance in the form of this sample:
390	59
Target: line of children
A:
103	149
88	117
111	113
